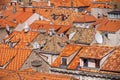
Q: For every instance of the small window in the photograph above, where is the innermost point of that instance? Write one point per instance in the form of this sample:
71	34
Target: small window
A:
64	61
106	34
85	62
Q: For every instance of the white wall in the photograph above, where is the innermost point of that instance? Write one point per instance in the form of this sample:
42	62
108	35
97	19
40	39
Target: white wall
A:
91	63
81	24
101	11
105	58
71	57
50	58
81	62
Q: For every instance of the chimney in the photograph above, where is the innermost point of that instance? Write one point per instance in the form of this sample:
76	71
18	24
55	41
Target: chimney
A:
24	9
33	10
49	3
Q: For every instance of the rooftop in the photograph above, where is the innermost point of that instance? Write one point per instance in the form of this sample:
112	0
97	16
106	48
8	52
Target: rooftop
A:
31	75
109	25
67	51
112	63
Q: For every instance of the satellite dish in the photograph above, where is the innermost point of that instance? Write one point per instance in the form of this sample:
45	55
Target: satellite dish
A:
71	35
26	27
99	38
36	63
36	45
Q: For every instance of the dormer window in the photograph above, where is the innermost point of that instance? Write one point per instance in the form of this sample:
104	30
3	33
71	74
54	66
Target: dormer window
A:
64	62
89	63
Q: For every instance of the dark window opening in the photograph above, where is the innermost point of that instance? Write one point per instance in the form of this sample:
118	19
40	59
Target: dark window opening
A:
64	62
106	35
85	63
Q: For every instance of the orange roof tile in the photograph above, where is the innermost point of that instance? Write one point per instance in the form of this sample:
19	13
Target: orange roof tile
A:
75	62
67	51
24	37
37	26
103	0
70	49
95	52
64	29
6	54
31	75
85	18
68	3
113	62
39	3
4	22
109	25
19	59
23	17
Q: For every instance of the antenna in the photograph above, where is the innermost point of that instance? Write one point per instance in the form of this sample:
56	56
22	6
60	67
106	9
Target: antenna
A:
26	27
71	35
99	38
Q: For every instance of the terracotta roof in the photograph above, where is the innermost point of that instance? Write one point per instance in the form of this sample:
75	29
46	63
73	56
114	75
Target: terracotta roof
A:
39	25
67	51
6	55
22	37
109	25
85	19
75	62
112	64
34	3
4	22
19	16
68	3
95	52
69	14
19	59
44	12
23	17
64	29
103	0
31	75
